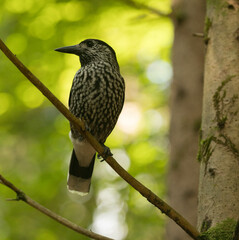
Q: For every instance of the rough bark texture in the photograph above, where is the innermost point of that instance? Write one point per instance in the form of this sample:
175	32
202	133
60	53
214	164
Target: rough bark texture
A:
219	146
186	104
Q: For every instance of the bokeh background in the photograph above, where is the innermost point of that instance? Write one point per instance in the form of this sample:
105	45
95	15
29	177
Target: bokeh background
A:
34	145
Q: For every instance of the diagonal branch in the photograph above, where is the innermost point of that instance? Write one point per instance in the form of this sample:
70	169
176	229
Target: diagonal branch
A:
79	125
23	197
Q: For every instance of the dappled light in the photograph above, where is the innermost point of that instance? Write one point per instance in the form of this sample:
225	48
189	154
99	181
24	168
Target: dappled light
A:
160	72
129	120
29	95
6	100
34	143
17	42
19	7
109	216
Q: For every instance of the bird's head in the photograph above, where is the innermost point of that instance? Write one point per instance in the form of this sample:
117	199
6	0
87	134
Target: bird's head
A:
92	50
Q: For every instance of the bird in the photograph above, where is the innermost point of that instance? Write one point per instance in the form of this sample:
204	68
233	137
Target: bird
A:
97	97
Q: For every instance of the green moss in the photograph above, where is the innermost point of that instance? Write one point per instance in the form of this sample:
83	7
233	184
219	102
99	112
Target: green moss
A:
217	5
218	99
222	111
206	224
205	150
222	231
225	141
222	116
207	26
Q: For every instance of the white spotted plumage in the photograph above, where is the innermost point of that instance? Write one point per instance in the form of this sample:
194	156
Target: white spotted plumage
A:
97	97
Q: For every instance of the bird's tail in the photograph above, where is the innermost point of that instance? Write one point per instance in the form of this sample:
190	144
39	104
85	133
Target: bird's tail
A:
81	167
79	178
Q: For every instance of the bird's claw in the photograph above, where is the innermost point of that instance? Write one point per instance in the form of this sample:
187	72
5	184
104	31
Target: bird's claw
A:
106	153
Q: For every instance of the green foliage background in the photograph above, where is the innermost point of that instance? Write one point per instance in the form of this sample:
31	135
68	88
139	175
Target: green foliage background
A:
34	144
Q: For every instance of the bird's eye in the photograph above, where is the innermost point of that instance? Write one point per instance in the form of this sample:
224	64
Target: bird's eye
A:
89	44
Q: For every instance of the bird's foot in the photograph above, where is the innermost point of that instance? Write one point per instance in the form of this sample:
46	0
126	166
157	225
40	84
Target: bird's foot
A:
106	153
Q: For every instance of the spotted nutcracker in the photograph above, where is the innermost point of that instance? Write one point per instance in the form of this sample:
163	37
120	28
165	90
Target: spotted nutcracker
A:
97	97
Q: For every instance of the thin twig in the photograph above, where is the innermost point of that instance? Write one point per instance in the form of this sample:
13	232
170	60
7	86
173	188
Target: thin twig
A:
23	197
144	6
199	35
79	125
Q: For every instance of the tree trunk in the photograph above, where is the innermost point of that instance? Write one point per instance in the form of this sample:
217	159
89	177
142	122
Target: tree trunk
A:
219	146
186	104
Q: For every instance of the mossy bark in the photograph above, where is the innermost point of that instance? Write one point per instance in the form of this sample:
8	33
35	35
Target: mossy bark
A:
226	230
219	146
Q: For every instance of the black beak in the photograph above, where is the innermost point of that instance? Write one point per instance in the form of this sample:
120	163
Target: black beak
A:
75	49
